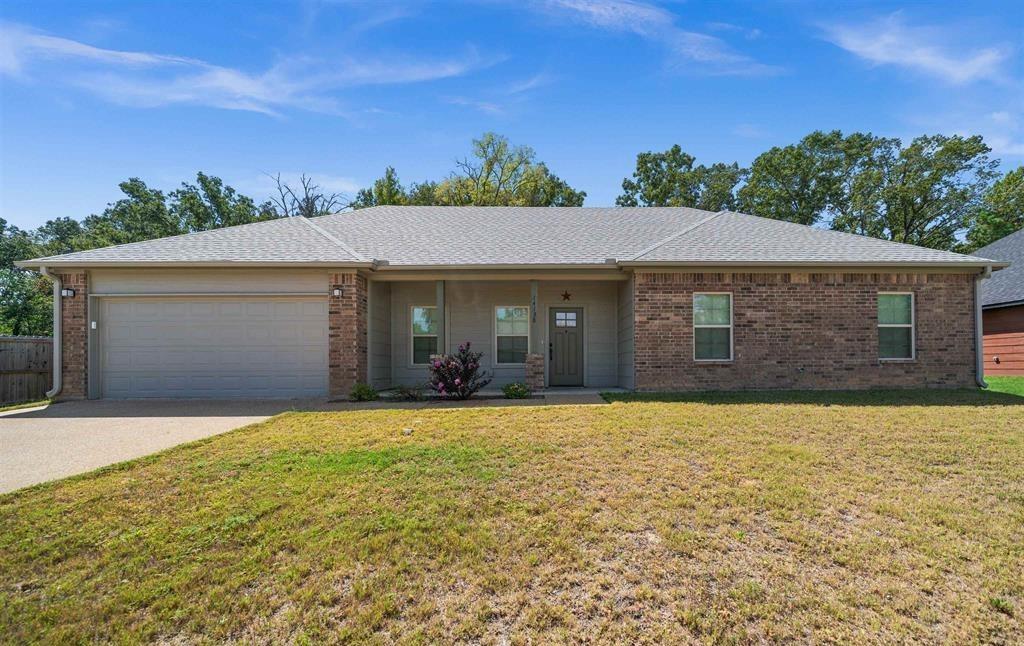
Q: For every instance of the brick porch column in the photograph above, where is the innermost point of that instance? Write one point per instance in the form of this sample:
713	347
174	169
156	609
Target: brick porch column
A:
74	332
535	371
347	328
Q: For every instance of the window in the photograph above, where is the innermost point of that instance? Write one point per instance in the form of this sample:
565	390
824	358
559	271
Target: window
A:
512	333
565	319
424	333
896	326
712	327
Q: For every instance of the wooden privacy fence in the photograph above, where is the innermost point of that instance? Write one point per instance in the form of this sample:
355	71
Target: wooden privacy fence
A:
26	368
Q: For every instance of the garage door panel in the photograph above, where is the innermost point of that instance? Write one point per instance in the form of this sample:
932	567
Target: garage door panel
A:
214	347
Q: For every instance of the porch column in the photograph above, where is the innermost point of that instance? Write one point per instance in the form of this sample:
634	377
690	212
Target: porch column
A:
442	345
535	354
347	328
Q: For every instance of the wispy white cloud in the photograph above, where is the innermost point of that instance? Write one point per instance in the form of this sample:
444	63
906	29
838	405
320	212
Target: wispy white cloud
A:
658	25
748	33
148	79
487	107
532	83
889	40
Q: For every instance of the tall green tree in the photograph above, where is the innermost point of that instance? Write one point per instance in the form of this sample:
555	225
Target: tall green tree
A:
795	183
57	236
496	174
15	244
670	179
385	190
210	204
1001	212
26	303
926	193
142	214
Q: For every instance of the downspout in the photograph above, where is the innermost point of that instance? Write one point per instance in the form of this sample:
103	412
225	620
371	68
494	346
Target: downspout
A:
979	357
57	372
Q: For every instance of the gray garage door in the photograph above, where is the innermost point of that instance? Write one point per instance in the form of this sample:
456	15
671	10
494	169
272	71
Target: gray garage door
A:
223	347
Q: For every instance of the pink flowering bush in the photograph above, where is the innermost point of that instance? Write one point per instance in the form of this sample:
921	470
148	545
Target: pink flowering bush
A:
458	376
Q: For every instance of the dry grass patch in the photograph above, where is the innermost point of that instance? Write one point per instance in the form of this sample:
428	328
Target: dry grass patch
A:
871	519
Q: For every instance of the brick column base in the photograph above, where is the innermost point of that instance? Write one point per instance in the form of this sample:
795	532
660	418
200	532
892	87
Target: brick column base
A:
535	371
74	332
347	323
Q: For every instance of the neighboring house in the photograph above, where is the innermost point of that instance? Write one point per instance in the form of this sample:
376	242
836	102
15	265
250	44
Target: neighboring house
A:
644	298
1002	300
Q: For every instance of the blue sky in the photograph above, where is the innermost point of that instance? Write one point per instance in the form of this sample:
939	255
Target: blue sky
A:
94	93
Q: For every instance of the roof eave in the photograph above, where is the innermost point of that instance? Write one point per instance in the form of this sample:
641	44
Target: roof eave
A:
1002	304
380	266
966	264
142	264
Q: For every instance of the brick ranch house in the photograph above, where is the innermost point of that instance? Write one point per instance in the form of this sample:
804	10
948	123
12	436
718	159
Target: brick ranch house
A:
1002	301
638	298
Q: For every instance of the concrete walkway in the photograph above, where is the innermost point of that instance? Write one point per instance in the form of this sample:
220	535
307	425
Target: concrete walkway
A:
41	444
60	440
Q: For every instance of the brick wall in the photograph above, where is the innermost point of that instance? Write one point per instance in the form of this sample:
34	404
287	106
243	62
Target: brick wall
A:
535	371
74	337
814	331
347	335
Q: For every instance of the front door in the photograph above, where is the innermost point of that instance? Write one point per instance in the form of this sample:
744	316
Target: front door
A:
565	351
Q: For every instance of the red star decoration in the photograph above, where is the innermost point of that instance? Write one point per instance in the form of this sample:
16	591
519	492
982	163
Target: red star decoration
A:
566	295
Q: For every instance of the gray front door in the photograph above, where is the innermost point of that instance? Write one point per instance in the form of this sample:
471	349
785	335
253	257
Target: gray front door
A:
566	346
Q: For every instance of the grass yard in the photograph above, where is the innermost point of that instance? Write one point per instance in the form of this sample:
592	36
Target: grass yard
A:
837	517
1011	385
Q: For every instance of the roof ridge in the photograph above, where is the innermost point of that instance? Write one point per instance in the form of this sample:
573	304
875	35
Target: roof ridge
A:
677	235
349	250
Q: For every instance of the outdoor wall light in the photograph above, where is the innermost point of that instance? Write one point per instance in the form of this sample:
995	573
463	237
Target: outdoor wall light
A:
336	292
67	293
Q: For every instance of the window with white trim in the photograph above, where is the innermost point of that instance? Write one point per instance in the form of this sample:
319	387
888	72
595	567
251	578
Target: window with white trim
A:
511	333
712	327
424	333
895	325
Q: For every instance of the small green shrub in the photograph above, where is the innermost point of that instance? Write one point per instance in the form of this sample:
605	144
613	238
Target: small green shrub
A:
516	390
363	393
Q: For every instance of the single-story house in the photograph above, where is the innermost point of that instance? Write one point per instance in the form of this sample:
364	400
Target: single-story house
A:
1002	301
638	298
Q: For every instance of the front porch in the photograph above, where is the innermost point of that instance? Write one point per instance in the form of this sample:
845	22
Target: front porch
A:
549	332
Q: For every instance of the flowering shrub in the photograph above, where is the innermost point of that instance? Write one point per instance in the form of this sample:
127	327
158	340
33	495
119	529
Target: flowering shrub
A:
458	376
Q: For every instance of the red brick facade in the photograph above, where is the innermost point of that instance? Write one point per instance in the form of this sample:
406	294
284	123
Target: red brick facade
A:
535	371
816	331
74	326
347	313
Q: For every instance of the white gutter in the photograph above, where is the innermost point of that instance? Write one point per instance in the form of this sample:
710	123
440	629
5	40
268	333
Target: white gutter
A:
57	372
979	356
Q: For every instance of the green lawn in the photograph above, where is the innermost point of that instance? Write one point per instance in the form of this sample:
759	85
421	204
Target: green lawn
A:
1012	385
814	518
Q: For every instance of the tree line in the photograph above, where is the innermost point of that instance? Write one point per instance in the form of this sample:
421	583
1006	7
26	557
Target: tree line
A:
937	191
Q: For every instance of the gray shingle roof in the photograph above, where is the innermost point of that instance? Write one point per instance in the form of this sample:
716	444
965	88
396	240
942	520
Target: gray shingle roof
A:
737	237
473	236
1006	286
287	240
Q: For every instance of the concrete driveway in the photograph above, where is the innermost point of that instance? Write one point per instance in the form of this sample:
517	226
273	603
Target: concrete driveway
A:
37	445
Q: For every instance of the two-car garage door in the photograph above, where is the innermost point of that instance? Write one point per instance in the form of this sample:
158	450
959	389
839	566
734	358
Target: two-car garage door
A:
213	347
